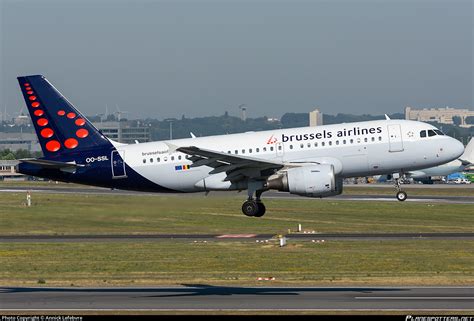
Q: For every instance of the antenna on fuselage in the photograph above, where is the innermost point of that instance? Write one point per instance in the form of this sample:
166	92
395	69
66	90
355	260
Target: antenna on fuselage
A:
386	117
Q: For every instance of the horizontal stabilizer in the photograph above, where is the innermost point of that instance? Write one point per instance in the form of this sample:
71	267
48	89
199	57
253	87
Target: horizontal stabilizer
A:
64	166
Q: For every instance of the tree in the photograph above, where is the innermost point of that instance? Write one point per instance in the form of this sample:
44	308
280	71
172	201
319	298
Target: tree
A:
456	120
470	120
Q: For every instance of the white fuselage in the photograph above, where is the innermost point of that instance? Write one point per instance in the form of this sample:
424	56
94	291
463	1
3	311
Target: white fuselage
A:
355	149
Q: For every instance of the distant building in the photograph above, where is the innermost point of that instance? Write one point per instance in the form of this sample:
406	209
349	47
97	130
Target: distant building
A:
16	141
440	115
8	172
315	118
22	120
124	132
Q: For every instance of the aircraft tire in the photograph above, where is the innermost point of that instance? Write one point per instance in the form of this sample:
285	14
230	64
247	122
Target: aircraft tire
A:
401	196
261	209
250	208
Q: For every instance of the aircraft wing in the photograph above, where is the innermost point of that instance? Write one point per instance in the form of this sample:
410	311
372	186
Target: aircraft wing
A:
236	167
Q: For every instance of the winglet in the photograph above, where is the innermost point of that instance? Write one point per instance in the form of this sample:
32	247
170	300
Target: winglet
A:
171	147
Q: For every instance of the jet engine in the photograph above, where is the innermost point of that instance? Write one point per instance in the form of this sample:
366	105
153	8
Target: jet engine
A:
311	181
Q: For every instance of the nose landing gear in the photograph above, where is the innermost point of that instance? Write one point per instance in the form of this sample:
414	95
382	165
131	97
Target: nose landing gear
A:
401	195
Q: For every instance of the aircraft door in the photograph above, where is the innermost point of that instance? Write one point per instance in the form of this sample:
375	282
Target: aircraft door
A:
395	138
118	164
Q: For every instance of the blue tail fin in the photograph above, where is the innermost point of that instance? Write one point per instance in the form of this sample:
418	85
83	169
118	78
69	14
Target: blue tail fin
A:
60	127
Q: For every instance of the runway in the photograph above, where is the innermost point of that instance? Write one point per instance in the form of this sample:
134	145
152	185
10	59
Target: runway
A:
234	237
266	195
211	298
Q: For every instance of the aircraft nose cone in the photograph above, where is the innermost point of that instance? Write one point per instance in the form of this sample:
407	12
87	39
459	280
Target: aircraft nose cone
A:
456	148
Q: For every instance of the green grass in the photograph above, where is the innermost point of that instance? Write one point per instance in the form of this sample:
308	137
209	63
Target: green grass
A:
238	263
145	214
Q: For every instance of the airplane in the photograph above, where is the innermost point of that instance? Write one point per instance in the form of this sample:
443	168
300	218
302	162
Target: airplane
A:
461	164
307	161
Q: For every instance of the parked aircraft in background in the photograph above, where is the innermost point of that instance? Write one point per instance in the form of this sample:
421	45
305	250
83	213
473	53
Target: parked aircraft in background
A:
307	161
458	165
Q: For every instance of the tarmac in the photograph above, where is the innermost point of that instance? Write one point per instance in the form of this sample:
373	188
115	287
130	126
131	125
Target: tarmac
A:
221	298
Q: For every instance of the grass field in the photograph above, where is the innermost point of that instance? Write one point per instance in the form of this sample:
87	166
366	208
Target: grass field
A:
417	262
238	263
130	214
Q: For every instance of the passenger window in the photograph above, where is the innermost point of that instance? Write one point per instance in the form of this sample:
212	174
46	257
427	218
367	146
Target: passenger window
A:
172	158
315	144
257	150
322	144
352	141
301	145
144	161
330	143
243	151
250	151
344	142
236	151
309	145
271	148
291	146
151	160
365	139
158	159
373	139
423	133
431	133
264	149
337	142
228	152
279	147
380	138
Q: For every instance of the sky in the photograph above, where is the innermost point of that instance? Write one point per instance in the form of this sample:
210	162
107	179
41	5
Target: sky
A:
164	59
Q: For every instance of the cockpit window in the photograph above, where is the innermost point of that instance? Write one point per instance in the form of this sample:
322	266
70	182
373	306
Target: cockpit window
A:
431	133
423	133
437	131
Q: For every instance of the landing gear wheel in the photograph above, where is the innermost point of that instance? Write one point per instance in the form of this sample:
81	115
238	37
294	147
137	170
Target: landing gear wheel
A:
261	209
250	208
401	196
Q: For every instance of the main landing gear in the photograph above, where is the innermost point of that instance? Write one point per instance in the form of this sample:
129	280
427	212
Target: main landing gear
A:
254	207
401	195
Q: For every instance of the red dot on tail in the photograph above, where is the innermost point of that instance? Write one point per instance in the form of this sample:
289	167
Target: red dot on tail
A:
71	115
35	104
32	98
47	132
82	133
28	88
26	84
80	122
30	92
53	146
39	112
61	112
42	122
71	143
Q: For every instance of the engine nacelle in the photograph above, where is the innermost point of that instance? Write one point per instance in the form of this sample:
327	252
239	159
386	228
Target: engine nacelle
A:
310	181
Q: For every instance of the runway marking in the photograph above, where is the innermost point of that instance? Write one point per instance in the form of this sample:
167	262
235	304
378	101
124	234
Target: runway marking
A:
236	236
414	298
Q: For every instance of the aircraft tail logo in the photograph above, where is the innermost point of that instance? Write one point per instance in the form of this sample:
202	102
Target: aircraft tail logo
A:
60	127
